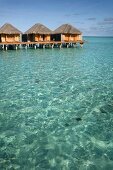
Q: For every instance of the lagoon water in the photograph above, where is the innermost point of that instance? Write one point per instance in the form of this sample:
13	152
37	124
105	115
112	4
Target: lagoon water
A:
56	108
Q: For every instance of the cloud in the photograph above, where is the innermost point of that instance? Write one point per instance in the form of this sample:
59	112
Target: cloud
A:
71	15
93	28
92	19
67	15
108	19
78	22
76	14
101	30
105	23
98	30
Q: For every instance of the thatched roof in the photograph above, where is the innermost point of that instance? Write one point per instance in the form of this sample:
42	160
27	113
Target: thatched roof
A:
9	29
38	29
67	29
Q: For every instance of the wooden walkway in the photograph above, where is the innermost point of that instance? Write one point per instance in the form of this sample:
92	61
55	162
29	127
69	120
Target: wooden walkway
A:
41	42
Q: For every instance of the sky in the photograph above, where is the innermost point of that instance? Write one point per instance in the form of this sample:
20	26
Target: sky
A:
92	17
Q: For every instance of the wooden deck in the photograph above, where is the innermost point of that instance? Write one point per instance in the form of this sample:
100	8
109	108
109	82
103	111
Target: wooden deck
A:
42	42
39	44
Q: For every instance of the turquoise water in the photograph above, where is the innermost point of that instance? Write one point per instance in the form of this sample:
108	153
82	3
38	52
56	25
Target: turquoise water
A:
56	108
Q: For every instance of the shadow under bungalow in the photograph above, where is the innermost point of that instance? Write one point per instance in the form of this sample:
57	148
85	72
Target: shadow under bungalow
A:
39	36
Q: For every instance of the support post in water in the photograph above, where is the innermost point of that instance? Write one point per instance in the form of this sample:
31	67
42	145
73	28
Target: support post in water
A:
60	46
35	47
3	47
67	45
26	47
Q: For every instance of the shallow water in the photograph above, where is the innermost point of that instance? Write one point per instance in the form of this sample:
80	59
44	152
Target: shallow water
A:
56	108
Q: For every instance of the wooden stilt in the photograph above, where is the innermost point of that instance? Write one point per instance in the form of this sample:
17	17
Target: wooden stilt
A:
26	47
6	47
81	45
3	47
35	47
75	45
44	46
60	46
20	46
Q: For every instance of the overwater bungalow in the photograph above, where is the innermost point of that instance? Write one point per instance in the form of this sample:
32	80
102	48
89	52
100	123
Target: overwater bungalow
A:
67	33
8	34
39	36
38	32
